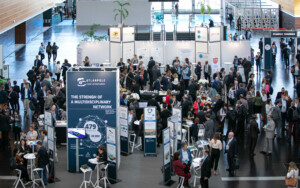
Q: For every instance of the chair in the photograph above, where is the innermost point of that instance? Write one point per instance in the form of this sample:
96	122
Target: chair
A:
196	175
85	182
180	182
18	180
132	142
105	178
34	181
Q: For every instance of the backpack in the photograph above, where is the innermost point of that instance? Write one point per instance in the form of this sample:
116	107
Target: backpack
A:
31	106
295	115
12	163
271	90
189	73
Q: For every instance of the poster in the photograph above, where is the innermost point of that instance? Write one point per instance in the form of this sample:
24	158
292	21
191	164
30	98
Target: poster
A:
128	34
171	126
114	34
79	56
215	55
215	34
167	155
111	148
201	34
48	118
123	114
150	131
91	104
177	111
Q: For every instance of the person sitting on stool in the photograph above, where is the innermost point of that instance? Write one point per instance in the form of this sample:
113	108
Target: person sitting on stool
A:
180	169
102	157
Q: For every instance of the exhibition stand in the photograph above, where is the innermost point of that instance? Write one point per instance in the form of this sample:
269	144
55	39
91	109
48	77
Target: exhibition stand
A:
90	113
208	46
124	130
150	131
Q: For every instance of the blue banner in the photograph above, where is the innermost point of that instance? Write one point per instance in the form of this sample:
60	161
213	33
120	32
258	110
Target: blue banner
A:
267	53
124	129
167	155
150	131
91	104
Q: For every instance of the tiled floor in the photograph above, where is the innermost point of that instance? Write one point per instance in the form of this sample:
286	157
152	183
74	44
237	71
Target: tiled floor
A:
135	170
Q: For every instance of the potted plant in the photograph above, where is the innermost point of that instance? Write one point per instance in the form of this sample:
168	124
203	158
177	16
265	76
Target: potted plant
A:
90	35
121	11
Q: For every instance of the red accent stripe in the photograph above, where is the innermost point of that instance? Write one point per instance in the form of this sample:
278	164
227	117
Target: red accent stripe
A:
266	28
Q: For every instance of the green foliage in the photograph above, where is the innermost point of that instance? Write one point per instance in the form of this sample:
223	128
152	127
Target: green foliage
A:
202	8
208	9
90	34
121	11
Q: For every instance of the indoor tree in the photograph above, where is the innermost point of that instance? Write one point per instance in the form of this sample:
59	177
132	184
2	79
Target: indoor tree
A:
121	11
90	35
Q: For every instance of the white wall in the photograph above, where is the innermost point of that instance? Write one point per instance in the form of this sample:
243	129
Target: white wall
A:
97	51
229	49
101	12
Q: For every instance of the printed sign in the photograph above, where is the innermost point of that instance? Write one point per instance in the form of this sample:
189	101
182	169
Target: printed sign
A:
115	34
201	34
214	34
150	130
128	34
124	129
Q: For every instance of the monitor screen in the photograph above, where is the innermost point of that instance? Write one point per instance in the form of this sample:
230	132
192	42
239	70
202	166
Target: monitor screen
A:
143	104
76	132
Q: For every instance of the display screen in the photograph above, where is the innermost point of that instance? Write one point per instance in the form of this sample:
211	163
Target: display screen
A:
76	132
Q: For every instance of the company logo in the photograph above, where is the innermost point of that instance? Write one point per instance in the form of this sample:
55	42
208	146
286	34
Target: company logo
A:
198	34
115	33
268	47
149	110
215	60
200	56
81	82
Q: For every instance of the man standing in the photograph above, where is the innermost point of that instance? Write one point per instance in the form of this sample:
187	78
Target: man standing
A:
247	68
3	97
205	169
261	46
186	73
284	109
269	129
210	128
254	131
37	62
43	160
13	98
5	128
293	118
211	23
241	117
32	77
54	51
157	84
42	51
207	71
151	64
274	53
276	116
25	97
231	150
45	138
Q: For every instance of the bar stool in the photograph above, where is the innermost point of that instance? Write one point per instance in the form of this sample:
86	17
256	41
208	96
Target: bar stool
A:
196	175
105	178
132	142
184	135
85	182
180	182
34	181
18	180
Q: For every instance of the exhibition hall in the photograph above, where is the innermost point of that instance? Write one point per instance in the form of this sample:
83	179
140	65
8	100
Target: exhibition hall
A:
149	93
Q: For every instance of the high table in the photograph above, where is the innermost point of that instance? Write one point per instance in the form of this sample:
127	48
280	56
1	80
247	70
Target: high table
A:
188	125
31	157
32	144
95	162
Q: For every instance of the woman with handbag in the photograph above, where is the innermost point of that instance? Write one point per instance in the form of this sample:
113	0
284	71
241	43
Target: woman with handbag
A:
291	179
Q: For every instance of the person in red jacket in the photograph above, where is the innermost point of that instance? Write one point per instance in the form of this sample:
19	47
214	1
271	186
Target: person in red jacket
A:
179	169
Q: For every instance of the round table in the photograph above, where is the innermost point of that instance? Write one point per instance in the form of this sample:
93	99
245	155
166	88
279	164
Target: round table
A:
97	163
31	157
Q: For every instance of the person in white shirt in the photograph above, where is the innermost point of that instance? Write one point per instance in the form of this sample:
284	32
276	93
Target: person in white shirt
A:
32	134
216	146
293	172
57	70
42	51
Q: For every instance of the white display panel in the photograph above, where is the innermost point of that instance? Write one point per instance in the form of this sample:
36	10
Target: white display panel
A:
115	53
128	50
201	47
235	48
146	49
214	34
115	34
215	55
202	57
97	51
182	49
128	34
201	34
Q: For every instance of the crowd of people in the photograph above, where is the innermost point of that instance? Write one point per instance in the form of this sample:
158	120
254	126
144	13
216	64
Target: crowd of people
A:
206	97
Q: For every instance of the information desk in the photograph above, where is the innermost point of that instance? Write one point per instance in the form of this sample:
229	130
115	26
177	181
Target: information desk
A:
61	132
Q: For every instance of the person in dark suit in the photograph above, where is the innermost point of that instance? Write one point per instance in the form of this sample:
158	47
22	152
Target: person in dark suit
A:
31	77
157	84
7	85
193	87
279	94
23	85
121	64
16	88
254	131
211	23
5	128
38	84
179	168
201	115
205	169
151	64
12	98
37	62
43	160
42	96
165	114
153	102
231	150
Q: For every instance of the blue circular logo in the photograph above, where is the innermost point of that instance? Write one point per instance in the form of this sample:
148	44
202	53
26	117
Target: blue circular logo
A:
201	56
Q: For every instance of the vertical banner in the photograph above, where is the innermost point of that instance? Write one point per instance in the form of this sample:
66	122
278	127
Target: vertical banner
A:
79	56
215	56
267	54
111	145
51	149
214	34
167	155
124	129
92	100
115	34
178	125
48	119
150	131
171	126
